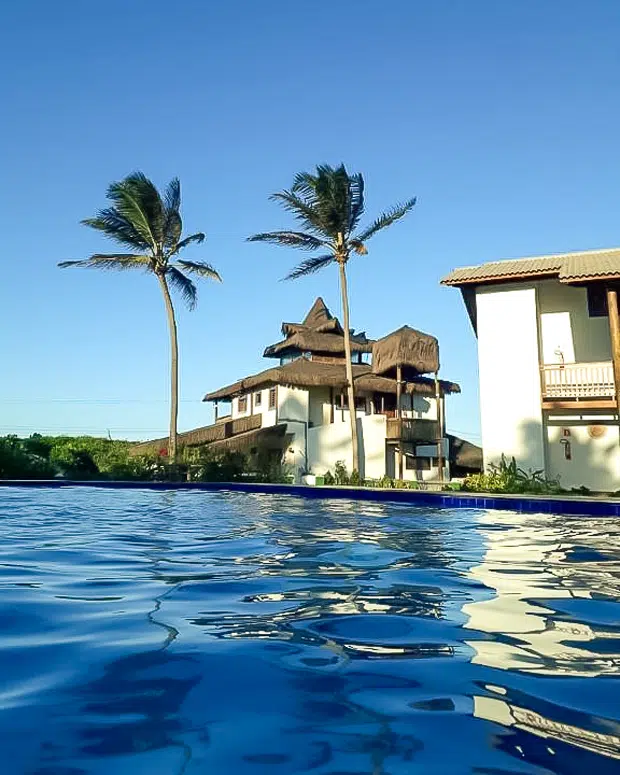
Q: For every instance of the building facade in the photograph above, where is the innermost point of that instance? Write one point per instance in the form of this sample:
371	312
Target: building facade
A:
297	411
549	363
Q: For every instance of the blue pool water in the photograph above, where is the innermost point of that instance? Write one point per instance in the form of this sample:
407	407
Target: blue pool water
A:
189	632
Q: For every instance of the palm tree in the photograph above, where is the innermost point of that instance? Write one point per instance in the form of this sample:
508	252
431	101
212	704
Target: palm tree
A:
150	226
329	205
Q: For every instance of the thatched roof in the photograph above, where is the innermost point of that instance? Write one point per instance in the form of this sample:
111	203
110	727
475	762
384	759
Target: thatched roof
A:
306	373
320	332
206	434
416	352
464	454
273	437
315	342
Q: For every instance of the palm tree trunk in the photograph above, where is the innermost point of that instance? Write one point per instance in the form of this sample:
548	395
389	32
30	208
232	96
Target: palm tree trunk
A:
349	365
174	370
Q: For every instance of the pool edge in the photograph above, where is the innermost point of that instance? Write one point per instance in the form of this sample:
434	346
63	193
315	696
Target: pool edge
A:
575	505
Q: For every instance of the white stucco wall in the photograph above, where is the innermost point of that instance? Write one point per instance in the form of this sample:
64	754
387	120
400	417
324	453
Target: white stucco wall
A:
292	403
319	406
566	326
594	463
269	415
510	403
327	444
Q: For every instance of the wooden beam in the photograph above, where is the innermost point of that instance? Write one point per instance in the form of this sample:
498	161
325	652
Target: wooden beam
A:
217	407
614	331
331	405
439	409
399	387
578	406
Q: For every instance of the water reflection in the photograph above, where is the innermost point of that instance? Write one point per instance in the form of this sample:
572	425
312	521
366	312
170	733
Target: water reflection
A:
553	607
190	633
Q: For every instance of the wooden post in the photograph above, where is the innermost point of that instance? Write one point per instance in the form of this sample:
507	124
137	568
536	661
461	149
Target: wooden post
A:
217	407
251	403
440	422
342	405
399	387
331	405
614	330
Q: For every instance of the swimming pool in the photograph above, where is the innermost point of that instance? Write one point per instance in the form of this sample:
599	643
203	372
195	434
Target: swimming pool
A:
195	632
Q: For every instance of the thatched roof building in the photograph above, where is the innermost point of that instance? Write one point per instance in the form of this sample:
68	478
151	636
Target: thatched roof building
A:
320	333
282	412
308	373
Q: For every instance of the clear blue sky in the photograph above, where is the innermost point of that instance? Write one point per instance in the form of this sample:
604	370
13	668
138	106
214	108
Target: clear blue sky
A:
502	117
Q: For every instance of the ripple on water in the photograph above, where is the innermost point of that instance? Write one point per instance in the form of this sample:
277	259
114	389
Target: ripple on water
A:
187	632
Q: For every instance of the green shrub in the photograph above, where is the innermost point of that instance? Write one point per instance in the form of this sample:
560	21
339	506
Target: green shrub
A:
329	479
355	479
507	477
341	476
20	462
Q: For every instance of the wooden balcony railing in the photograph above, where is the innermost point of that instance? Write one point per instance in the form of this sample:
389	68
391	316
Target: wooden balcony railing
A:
402	429
578	381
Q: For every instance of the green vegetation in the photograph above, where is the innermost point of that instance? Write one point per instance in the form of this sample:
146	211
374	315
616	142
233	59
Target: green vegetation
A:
507	477
150	226
342	478
329	205
85	458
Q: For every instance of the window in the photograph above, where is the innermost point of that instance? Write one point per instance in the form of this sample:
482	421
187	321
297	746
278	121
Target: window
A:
597	301
258	398
242	404
360	402
272	398
420	463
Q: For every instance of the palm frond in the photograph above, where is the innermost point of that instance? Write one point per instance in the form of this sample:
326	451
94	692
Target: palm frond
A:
295	239
198	237
117	261
304	211
134	199
358	247
304	185
356	194
333	199
386	219
172	206
200	268
183	285
117	227
310	266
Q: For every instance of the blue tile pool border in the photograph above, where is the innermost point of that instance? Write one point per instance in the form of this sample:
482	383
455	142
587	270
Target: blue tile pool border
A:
527	504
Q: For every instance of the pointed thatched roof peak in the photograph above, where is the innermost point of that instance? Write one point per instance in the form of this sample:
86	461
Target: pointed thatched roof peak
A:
318	314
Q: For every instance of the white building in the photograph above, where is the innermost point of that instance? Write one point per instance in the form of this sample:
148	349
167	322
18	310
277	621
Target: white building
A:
548	370
298	412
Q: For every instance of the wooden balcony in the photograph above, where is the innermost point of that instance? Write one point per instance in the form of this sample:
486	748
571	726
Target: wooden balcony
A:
583	385
402	429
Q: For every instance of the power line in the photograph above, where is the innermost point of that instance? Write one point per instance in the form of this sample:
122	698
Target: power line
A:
96	400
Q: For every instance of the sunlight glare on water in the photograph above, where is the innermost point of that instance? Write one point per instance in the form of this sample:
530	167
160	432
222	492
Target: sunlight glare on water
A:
193	632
